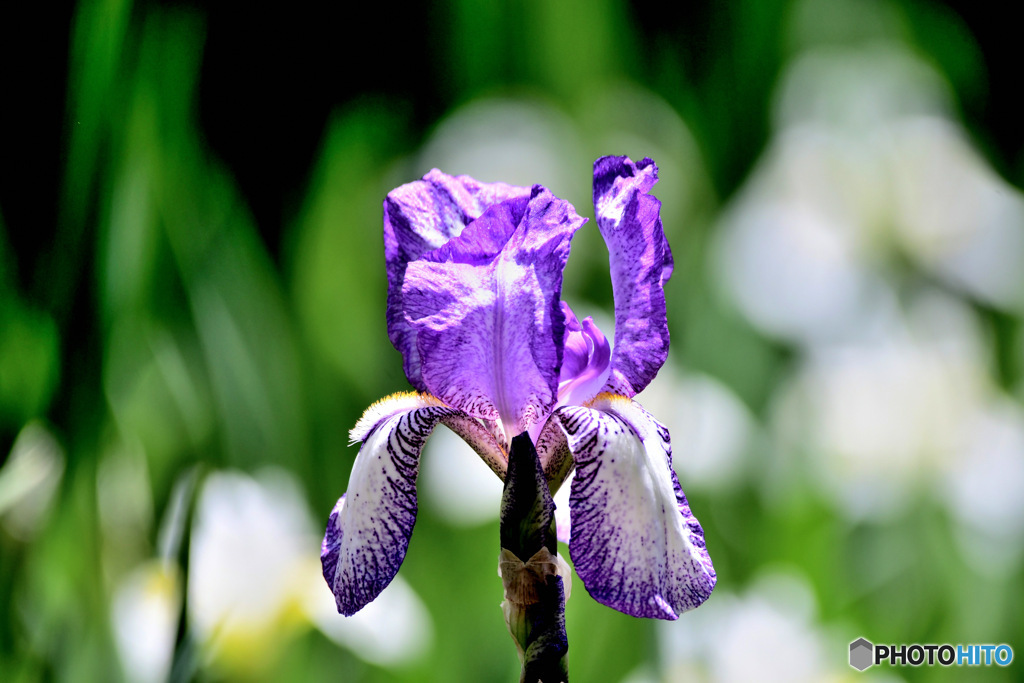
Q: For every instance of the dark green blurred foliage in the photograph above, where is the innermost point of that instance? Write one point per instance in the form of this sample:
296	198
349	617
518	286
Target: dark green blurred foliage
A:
193	308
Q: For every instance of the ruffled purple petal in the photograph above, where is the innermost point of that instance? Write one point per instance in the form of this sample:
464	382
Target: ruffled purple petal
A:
486	315
586	360
368	531
635	543
419	217
641	262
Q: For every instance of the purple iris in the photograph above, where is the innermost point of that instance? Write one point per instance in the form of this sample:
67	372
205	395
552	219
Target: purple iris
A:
474	306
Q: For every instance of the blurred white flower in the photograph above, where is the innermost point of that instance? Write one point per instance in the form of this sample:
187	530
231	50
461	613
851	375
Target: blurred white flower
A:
856	89
454	485
768	634
145	610
878	420
892	396
29	479
393	629
516	141
865	161
710	426
984	489
953	214
146	600
795	272
254	577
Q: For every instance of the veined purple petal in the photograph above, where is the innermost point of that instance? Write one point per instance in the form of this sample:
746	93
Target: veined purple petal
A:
487	319
641	262
586	360
368	531
553	451
419	217
635	543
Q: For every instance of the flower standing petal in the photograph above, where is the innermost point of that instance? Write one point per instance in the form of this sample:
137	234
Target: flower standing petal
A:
419	217
635	543
485	308
641	262
368	531
586	357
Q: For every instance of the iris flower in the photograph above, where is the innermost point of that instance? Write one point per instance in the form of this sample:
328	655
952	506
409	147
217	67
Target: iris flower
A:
474	306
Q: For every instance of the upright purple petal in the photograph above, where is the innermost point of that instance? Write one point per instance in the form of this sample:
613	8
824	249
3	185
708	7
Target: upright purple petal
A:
487	319
419	217
635	543
368	531
641	262
586	357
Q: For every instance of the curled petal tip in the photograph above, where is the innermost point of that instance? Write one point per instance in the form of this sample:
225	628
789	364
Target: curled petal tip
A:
641	262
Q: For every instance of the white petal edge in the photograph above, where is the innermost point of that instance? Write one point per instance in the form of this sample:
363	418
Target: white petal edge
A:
634	543
368	531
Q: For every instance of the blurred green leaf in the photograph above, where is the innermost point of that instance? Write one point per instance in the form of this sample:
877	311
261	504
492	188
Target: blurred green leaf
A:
337	258
29	361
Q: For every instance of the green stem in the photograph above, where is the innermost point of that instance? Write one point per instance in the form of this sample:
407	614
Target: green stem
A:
531	571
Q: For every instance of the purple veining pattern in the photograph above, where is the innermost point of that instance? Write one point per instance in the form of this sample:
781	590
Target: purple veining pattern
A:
641	262
419	217
485	309
368	531
635	543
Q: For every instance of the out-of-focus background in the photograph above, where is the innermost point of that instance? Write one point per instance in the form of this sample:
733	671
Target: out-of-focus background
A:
192	318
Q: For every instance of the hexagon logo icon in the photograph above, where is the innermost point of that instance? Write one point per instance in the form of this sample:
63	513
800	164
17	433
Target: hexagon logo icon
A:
861	654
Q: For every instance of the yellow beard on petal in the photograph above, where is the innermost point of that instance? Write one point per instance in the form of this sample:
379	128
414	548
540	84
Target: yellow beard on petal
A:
389	405
607	397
